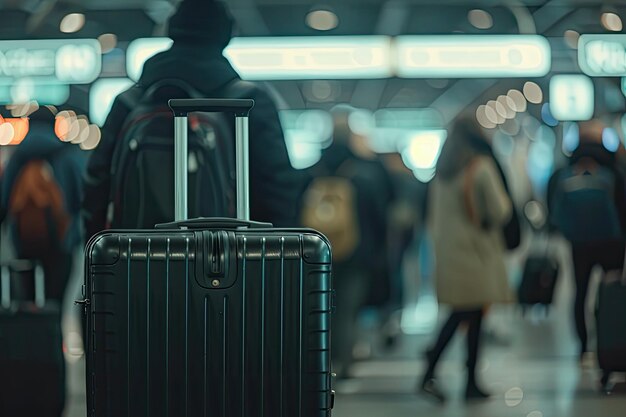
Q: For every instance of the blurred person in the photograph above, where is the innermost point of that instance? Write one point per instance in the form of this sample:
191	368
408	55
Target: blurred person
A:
587	205
407	215
200	31
41	196
468	207
347	199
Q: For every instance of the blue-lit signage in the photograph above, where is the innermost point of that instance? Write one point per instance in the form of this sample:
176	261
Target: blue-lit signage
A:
50	61
470	56
571	97
602	55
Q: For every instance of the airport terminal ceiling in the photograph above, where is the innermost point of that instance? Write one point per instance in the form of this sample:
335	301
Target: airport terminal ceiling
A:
39	19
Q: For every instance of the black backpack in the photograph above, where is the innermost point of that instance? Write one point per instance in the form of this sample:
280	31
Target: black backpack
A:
142	188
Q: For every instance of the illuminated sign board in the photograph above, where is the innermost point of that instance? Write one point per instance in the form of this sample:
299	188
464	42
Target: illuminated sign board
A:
362	57
571	97
76	61
602	55
472	56
320	57
140	50
23	92
282	58
101	96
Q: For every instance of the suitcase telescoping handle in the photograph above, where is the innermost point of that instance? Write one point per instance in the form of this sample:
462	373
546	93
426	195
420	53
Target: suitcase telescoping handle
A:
241	108
214	223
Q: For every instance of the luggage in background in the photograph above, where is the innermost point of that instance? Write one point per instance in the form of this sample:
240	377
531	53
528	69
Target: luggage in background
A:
611	326
210	316
539	279
539	274
32	366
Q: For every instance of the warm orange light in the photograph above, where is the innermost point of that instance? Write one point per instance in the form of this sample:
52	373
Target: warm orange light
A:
13	130
21	126
63	125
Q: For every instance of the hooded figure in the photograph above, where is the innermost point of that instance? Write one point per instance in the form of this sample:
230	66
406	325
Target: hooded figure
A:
201	30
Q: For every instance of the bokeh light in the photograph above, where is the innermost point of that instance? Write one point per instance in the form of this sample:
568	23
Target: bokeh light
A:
518	99
547	117
6	133
322	20
611	22
72	23
108	42
610	139
93	139
571	38
533	92
497	110
514	397
480	19
483	120
507	106
64	126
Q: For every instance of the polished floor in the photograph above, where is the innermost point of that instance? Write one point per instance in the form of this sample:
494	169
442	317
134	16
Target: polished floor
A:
528	363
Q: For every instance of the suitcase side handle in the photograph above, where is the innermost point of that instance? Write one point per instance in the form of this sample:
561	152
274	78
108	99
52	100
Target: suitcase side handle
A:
213	223
183	106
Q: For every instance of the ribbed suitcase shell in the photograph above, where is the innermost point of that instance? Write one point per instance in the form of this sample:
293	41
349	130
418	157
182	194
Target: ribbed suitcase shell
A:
162	341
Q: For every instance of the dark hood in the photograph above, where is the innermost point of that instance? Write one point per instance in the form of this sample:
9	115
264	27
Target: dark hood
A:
205	69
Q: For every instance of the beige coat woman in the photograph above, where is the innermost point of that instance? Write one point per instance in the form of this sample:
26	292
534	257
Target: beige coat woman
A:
467	215
468	208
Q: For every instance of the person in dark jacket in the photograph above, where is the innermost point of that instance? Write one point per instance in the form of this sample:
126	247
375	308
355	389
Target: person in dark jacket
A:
608	253
200	31
362	276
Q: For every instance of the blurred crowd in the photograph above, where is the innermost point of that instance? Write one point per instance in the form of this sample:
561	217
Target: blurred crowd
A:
54	196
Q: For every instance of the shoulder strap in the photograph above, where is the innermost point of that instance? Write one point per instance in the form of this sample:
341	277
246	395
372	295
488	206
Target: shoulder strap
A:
468	195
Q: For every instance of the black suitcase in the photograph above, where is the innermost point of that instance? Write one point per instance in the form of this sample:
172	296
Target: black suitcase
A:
539	277
611	326
32	367
209	317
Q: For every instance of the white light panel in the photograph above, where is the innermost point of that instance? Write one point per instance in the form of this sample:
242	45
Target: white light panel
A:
323	57
101	96
472	56
571	97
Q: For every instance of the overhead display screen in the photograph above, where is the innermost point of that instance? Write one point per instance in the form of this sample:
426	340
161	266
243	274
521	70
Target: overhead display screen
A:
50	61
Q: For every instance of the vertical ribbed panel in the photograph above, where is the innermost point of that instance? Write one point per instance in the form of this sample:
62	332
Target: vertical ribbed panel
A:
148	328
225	349
243	327
301	331
258	347
262	304
186	278
128	326
204	356
282	322
168	256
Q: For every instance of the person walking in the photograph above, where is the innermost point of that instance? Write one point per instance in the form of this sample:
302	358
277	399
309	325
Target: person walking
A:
587	205
468	209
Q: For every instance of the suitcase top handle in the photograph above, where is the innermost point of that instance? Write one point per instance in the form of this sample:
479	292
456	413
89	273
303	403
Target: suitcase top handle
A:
183	106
